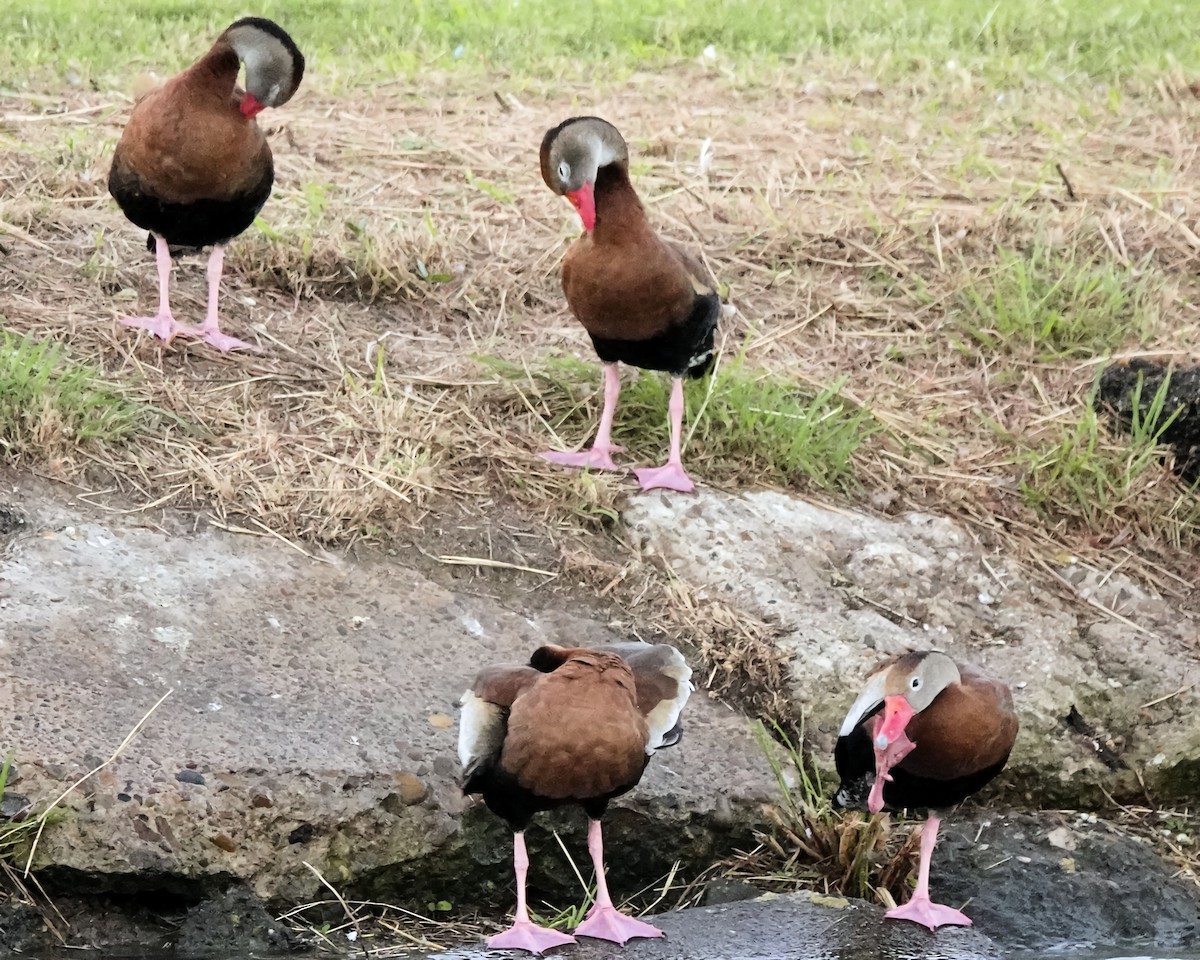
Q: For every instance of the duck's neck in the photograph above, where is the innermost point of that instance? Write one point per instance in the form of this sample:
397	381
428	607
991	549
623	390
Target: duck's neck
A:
216	72
619	212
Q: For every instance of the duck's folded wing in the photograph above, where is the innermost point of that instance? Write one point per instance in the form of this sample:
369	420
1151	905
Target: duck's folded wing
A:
664	683
483	723
702	280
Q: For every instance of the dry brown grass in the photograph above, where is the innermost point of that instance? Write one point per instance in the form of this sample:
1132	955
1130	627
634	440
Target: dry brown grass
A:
410	234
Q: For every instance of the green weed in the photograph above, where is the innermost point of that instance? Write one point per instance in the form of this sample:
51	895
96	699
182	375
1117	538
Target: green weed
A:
48	401
1055	304
742	423
1084	472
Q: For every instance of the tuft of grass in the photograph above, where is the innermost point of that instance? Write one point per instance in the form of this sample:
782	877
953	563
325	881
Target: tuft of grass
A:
1056	304
743	424
48	401
812	846
1084	472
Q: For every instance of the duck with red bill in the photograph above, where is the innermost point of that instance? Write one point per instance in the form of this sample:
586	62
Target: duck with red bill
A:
924	732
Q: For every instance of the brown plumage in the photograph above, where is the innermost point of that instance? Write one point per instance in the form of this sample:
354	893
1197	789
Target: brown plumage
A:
193	167
970	727
544	750
622	281
643	301
188	139
924	732
574	725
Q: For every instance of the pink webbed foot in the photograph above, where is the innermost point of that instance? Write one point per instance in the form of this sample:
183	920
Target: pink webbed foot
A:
162	326
596	458
932	915
222	341
608	923
670	476
526	935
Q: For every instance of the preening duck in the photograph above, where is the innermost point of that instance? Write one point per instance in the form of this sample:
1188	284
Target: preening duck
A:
192	165
924	732
643	301
573	726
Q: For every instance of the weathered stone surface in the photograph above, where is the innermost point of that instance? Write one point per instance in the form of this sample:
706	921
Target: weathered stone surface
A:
311	719
849	588
1056	881
777	927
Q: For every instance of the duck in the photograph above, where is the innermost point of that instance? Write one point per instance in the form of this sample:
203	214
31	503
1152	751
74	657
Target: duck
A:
644	302
924	732
574	725
194	168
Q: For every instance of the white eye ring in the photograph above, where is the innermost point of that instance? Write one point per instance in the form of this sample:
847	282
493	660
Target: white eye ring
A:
564	172
915	683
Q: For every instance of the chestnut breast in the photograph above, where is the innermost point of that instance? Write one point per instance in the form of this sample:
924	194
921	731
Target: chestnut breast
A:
633	290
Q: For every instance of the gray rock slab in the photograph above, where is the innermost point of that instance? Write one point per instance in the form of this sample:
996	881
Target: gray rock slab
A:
797	926
1059	882
849	588
312	716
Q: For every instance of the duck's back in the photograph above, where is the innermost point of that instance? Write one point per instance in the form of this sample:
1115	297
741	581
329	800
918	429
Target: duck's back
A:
188	165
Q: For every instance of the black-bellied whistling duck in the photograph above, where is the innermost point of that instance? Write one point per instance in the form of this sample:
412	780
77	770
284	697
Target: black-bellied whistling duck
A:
192	165
924	732
574	725
644	302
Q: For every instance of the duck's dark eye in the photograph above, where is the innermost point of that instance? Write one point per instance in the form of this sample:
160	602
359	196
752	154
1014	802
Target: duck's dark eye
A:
915	683
564	172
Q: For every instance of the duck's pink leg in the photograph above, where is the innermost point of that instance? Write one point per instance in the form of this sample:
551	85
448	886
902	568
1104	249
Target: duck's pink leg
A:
524	934
671	475
599	457
162	324
604	921
211	331
920	909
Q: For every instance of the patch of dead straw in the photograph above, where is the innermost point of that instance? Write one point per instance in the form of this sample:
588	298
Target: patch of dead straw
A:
408	235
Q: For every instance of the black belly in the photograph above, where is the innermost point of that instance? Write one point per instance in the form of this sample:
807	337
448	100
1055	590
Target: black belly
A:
517	805
855	761
199	223
684	349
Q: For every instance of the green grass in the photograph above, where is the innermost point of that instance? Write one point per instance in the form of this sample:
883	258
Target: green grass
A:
1056	304
48	401
365	39
742	423
1082	472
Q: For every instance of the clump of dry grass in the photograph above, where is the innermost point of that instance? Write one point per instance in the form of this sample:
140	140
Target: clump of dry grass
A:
809	845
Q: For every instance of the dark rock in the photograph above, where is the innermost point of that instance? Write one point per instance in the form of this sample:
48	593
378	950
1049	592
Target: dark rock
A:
1126	392
190	776
1050	881
729	890
12	520
13	805
233	924
302	834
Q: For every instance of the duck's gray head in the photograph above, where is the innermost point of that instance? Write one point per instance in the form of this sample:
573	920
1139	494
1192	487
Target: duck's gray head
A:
572	155
274	64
